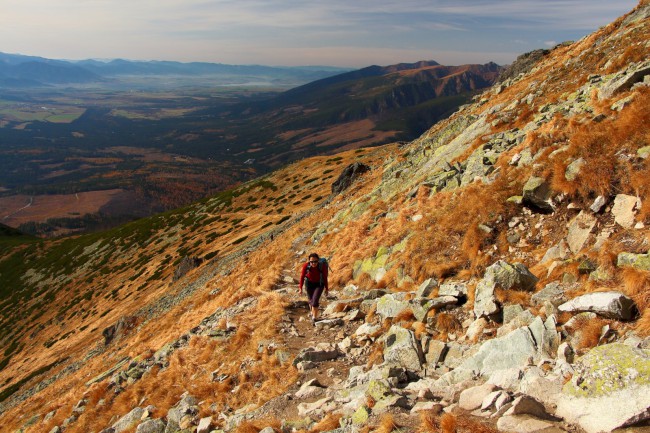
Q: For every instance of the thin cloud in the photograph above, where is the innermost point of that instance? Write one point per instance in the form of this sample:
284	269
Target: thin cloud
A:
288	31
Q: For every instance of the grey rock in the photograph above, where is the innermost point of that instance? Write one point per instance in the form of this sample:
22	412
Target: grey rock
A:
151	426
609	389
598	204
526	405
508	379
402	348
552	292
537	194
457	289
513	350
322	352
573	170
613	305
485	301
510	312
560	251
580	228
635	73
129	420
638	261
187	405
426	288
475	329
435	352
506	276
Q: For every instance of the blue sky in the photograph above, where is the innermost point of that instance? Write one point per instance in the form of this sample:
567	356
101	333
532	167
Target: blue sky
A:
345	33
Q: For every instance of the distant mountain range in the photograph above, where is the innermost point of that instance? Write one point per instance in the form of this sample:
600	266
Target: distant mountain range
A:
20	71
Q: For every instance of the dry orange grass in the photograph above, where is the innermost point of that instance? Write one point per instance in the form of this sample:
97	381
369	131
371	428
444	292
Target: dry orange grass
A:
449	423
600	145
589	332
331	421
513	296
636	284
419	328
387	424
404	318
376	356
447	323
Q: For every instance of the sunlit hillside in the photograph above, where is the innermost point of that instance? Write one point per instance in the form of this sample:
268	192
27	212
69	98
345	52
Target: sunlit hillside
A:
546	172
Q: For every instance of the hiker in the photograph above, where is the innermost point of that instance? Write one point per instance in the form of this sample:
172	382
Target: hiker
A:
314	276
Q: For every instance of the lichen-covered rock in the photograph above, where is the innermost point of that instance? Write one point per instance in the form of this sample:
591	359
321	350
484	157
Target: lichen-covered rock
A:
505	276
151	426
609	389
129	420
537	194
511	276
638	261
609	368
553	293
402	348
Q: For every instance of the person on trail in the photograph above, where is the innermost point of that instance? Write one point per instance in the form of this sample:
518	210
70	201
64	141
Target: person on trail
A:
314	277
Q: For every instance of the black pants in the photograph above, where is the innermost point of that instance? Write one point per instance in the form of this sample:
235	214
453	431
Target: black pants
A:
314	291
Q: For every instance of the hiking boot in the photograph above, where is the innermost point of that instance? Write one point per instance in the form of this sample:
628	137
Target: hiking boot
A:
313	320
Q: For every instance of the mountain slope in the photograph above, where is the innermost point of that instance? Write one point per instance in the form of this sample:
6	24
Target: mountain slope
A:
548	170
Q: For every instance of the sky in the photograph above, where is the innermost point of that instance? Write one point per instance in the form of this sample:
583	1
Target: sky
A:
346	33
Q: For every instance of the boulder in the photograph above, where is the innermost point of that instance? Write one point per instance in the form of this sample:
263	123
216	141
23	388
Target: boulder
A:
426	288
609	389
552	292
457	289
526	405
205	425
505	276
348	176
537	195
573	170
638	261
322	352
472	398
435	352
624	210
557	252
580	228
403	349
613	305
525	424
625	80
390	306
475	330
485	301
188	405
151	426
129	420
511	276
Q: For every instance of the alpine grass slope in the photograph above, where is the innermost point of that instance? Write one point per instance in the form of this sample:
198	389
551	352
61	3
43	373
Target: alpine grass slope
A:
493	274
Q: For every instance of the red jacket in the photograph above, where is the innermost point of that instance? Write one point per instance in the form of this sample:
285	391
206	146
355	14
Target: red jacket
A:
313	274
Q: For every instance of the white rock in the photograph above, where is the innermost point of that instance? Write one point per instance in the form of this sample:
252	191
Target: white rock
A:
472	398
624	210
613	305
522	424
